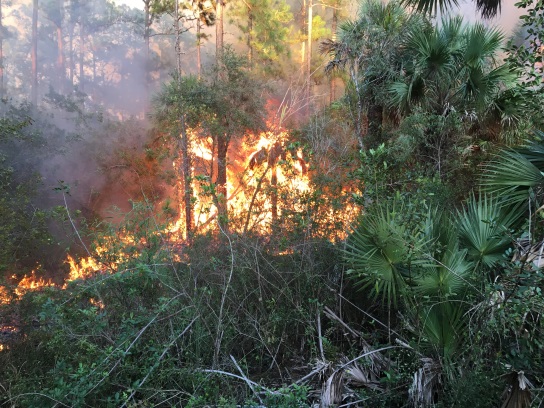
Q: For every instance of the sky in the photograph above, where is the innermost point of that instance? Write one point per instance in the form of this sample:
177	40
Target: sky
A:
507	20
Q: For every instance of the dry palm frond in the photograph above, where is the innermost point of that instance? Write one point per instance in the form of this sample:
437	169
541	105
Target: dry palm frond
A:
425	383
526	252
363	376
377	361
518	392
331	393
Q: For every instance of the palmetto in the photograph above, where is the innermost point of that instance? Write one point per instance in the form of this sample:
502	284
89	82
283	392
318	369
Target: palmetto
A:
435	265
454	67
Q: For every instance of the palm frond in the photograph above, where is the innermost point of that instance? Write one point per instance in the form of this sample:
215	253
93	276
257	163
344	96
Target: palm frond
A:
534	150
425	383
512	176
483	228
487	8
378	251
445	277
442	325
431	6
482	44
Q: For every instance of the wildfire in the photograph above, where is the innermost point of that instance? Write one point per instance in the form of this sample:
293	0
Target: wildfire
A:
267	178
85	268
259	168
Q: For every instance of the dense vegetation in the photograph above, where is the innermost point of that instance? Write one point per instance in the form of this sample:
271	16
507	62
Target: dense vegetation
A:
405	271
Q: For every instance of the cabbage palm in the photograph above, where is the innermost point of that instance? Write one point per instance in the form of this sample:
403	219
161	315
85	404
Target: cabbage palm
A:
454	67
369	50
379	252
432	262
484	227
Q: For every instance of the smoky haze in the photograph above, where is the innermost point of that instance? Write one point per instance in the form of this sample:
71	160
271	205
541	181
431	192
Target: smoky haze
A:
95	79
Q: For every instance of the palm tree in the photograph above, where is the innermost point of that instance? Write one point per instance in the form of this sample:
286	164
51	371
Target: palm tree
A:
434	265
487	8
369	50
455	67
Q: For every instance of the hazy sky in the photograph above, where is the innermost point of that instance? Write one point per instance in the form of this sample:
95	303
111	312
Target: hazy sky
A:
507	20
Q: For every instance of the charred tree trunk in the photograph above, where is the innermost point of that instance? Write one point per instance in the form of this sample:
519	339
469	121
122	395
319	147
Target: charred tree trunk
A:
250	36
187	179
198	45
147	35
274	194
334	27
221	181
375	120
71	66
309	54
185	155
34	53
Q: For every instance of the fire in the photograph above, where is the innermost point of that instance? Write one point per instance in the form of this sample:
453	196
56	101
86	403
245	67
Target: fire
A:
28	283
260	167
267	177
85	268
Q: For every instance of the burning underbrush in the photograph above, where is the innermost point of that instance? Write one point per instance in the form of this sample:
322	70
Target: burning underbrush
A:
162	321
145	306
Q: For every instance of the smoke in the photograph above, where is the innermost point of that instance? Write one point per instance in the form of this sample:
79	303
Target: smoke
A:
507	19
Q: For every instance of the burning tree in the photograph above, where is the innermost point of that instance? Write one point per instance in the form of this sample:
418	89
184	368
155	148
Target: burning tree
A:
224	105
237	110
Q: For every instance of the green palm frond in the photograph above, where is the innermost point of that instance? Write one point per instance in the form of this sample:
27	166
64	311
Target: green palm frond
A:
443	269
445	277
400	95
510	105
431	6
432	52
379	252
534	150
483	228
483	89
487	8
512	175
442	328
482	45
451	32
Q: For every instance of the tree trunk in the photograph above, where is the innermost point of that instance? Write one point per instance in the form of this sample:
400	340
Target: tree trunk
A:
186	169
309	53
198	45
71	66
250	36
334	27
147	34
1	54
60	59
187	179
81	55
274	194
375	120
34	53
221	181
220	14
304	25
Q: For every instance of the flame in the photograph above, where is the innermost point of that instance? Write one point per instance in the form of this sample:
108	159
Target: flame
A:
30	283
259	168
266	175
82	269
